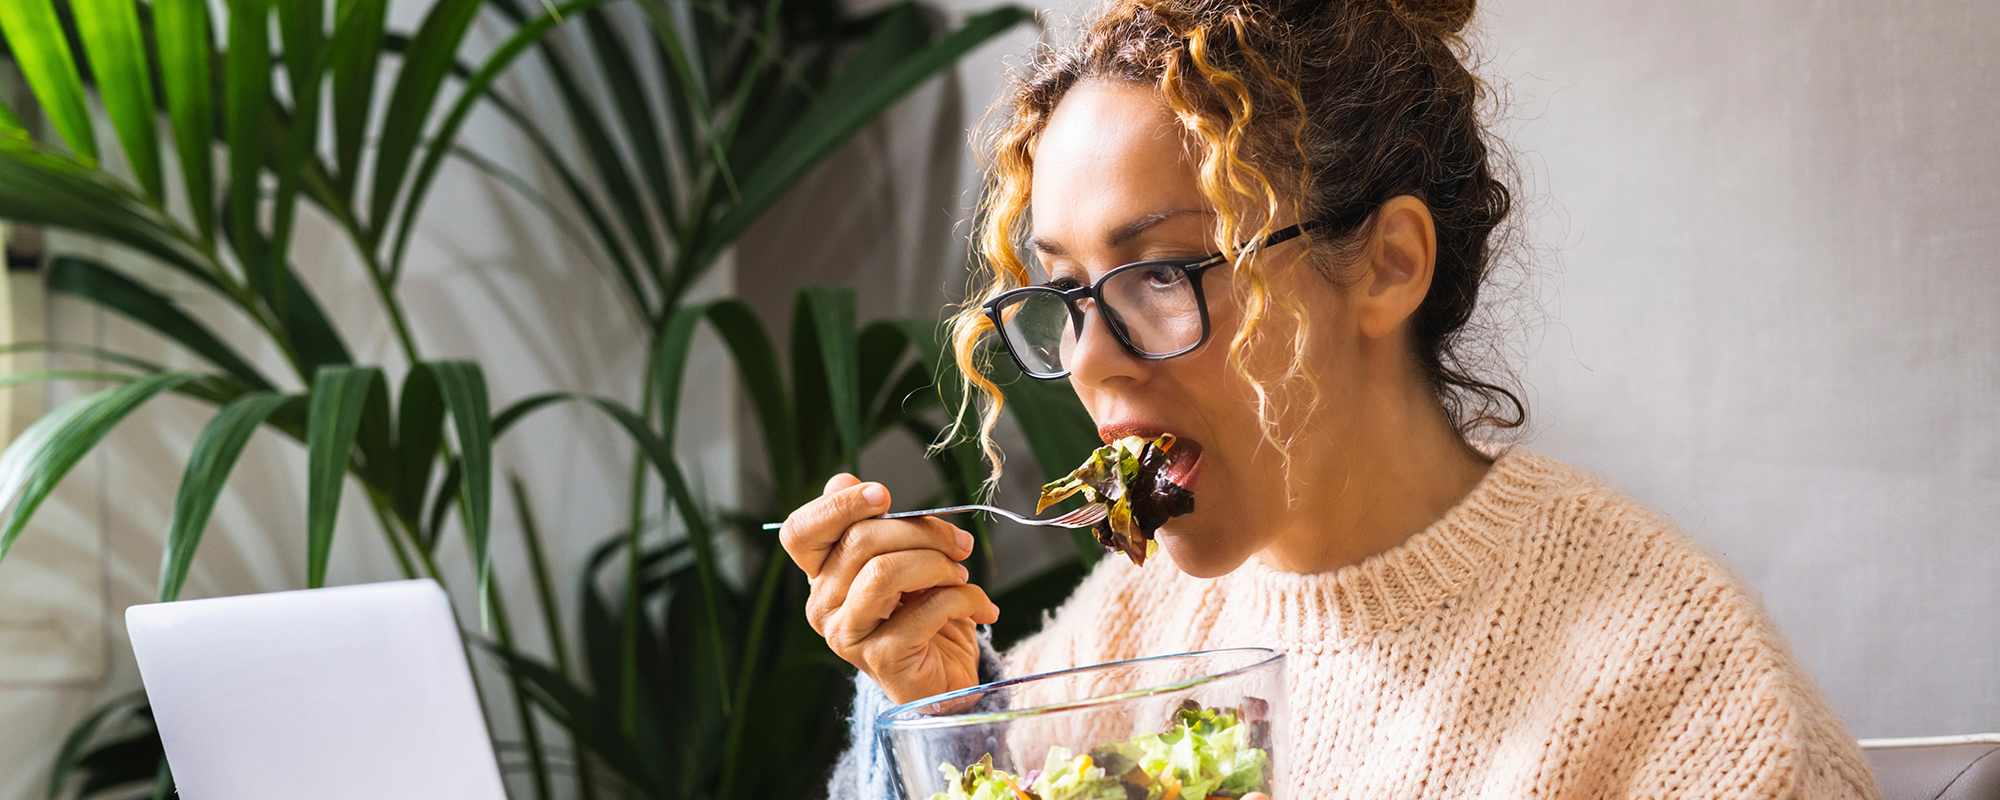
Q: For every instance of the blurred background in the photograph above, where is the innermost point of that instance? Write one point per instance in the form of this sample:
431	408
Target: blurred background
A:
1752	287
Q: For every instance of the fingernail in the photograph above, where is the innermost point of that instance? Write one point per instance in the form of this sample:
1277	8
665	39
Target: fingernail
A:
963	573
875	495
965	541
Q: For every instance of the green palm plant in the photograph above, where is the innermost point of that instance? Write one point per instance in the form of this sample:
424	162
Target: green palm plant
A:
219	239
687	687
755	95
218	82
752	94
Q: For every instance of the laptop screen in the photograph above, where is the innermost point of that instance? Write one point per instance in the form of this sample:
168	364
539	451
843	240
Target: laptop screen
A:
354	691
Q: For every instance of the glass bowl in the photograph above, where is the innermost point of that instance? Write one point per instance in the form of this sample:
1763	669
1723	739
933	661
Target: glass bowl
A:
1179	727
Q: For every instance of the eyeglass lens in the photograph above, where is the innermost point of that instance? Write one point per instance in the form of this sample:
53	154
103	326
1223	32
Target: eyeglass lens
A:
1153	305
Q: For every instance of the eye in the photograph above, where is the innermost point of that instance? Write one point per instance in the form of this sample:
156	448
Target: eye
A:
1063	283
1163	274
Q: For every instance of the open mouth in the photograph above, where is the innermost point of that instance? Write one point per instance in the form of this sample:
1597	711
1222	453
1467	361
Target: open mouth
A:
1184	458
1140	478
1182	461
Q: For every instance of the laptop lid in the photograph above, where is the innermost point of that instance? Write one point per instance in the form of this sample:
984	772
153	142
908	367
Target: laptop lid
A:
349	692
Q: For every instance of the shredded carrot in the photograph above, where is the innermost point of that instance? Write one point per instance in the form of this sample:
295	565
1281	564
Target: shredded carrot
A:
1018	794
1173	790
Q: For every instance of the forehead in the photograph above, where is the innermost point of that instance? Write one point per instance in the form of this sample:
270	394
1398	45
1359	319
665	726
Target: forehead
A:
1111	152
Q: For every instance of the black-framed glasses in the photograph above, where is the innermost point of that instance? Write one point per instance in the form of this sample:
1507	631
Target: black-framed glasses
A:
1155	308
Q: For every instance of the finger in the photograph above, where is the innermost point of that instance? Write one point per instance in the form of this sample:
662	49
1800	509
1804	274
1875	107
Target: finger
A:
928	614
906	549
839	482
871	538
878	590
881	585
847	612
813	529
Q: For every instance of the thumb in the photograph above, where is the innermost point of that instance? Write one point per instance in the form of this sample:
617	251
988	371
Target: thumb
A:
839	482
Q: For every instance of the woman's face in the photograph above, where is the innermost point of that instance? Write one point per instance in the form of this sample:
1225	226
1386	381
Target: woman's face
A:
1114	183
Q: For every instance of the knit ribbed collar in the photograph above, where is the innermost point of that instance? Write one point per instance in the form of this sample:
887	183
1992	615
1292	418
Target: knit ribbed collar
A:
1390	588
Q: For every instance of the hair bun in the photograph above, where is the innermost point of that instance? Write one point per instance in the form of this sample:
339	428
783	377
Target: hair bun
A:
1444	17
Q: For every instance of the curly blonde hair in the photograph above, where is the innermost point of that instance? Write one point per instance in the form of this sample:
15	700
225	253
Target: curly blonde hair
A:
1304	107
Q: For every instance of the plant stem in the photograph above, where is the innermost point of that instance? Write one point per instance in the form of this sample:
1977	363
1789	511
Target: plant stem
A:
315	185
478	689
552	618
544	586
531	733
767	590
628	668
389	532
386	290
247	302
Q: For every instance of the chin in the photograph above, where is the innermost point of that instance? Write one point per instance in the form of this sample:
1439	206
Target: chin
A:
1200	554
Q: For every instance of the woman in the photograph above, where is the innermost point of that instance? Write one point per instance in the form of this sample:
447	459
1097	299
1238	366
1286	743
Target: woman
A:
1461	620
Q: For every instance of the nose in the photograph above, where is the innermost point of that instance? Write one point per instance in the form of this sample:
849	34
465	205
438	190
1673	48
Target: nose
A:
1097	360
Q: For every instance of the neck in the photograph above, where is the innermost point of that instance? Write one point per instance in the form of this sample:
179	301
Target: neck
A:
1395	469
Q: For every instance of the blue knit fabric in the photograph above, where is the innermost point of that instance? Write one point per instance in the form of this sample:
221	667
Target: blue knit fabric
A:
866	771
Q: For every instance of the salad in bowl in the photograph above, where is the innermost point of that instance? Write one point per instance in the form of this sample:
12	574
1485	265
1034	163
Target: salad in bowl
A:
1192	726
1207	753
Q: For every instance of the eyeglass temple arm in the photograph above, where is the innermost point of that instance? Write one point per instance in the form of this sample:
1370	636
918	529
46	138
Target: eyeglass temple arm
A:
1351	215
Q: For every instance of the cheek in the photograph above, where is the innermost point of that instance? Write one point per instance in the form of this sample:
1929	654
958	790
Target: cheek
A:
1225	399
1305	329
1208	371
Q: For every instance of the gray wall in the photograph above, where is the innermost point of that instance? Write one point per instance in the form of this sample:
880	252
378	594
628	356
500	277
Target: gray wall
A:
1769	310
1756	293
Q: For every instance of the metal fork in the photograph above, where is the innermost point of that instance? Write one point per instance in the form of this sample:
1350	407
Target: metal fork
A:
1081	518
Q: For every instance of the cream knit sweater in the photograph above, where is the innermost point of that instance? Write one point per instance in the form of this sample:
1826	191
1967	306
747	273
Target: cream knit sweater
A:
1546	638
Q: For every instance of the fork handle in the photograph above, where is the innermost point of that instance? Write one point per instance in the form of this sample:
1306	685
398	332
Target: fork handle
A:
925	512
933	512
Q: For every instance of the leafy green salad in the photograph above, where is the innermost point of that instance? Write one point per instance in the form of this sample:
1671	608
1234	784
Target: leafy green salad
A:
1205	753
1129	478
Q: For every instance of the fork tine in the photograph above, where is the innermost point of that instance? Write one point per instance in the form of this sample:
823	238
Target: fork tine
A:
1082	517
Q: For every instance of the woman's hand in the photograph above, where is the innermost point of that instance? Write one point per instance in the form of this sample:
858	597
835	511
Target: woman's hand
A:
889	595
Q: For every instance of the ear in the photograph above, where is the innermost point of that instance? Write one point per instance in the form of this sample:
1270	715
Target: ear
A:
1402	253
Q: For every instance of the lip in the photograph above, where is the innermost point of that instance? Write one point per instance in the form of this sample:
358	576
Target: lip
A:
1186	454
1113	431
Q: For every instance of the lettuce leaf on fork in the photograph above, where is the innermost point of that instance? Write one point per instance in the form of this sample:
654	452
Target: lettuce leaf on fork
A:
1125	476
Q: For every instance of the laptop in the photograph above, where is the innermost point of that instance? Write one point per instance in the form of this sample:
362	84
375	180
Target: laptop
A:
350	692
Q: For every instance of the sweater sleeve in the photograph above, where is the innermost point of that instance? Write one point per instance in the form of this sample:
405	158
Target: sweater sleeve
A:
1692	692
866	771
1755	727
1643	667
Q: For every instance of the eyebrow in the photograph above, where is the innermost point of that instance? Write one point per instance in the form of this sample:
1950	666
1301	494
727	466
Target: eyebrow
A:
1123	233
